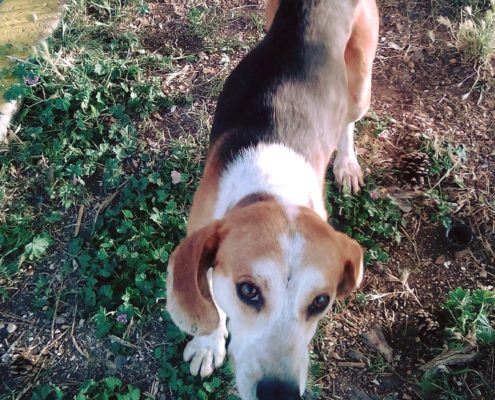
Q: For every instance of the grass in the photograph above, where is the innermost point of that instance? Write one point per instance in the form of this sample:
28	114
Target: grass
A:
367	217
471	322
474	35
78	144
472	315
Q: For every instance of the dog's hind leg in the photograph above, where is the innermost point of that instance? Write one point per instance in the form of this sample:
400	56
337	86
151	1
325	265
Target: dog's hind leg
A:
359	55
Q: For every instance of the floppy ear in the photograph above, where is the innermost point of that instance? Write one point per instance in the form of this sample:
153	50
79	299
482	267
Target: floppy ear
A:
352	274
189	300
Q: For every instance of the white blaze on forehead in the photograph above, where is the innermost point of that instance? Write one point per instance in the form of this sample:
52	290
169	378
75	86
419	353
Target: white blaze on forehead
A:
292	246
301	280
269	271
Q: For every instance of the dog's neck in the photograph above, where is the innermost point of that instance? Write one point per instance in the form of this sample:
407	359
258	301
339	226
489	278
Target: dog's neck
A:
274	170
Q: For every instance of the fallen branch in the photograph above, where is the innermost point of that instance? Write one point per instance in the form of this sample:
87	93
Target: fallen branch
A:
74	342
450	357
123	342
350	364
80	214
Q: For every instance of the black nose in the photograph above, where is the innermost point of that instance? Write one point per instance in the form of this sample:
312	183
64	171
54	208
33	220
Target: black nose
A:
269	389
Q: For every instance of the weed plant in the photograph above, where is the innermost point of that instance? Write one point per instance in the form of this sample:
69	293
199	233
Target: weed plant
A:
474	35
367	217
472	316
471	322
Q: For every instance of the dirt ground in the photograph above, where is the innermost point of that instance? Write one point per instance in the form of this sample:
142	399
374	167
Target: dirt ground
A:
420	88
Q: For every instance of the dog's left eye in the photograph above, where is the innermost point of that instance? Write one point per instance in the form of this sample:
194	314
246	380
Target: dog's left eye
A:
249	294
319	304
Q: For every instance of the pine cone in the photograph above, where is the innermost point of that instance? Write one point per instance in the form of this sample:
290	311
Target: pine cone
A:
23	363
426	322
414	167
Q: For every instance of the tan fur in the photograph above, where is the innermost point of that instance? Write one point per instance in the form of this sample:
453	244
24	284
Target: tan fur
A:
335	254
205	198
271	10
359	55
189	299
245	235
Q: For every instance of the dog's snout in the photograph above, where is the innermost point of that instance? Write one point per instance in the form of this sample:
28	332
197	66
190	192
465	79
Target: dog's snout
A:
269	389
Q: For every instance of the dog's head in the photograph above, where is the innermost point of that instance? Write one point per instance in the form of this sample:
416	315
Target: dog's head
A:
276	272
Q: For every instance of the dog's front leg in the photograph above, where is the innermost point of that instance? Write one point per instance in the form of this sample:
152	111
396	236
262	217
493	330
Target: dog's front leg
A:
208	352
346	167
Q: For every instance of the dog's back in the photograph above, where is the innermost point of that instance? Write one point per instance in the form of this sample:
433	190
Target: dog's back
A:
291	88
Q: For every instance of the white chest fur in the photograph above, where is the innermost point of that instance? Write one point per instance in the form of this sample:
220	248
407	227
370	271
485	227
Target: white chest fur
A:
274	169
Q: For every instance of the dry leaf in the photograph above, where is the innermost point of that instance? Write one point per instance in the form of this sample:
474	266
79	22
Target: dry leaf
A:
394	46
376	340
176	177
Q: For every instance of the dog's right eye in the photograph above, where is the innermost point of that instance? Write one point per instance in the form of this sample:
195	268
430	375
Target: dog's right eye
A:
250	294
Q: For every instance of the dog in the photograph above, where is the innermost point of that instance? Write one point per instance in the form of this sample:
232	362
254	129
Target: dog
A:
260	262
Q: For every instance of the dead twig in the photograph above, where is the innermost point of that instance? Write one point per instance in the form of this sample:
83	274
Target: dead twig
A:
450	357
413	244
351	364
123	342
80	214
73	338
57	302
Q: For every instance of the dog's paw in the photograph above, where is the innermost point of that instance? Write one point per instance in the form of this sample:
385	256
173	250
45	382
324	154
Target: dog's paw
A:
206	352
348	172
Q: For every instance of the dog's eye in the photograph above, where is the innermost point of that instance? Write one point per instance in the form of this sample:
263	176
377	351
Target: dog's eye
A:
249	294
319	304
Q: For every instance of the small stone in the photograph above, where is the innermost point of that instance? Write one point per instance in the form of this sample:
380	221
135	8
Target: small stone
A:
11	328
176	177
461	254
335	356
60	320
378	268
405	396
120	361
483	273
410	64
112	368
355	355
440	260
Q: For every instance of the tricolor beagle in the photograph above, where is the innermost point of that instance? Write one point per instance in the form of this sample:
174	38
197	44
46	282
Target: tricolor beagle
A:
260	260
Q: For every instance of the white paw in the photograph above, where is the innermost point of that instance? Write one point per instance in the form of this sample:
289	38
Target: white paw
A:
348	172
206	352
